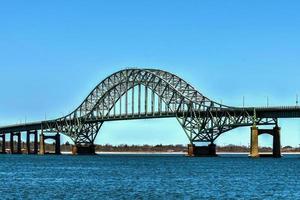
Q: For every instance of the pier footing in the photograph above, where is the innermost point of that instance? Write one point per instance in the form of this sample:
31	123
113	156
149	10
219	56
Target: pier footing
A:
83	150
202	151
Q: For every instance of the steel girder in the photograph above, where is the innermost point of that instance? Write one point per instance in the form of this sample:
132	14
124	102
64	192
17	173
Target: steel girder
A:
202	119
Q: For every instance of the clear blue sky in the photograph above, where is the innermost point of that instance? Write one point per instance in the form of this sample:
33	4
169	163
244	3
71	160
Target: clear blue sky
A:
53	53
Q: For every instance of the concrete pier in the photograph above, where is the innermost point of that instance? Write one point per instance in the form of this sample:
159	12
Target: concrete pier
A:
44	137
255	132
57	144
276	142
35	142
254	142
202	151
12	149
84	149
3	144
42	144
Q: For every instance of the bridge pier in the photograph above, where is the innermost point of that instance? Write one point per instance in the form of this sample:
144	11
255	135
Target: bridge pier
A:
56	138
83	150
202	151
42	144
276	142
254	142
35	142
3	144
19	150
255	132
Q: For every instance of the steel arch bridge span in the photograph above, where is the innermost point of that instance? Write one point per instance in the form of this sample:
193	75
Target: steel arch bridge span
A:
149	93
152	93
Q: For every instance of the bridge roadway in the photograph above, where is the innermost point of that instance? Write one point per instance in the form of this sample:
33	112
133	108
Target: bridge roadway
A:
261	112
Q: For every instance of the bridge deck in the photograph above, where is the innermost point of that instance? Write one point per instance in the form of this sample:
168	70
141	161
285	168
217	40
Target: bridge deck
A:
261	112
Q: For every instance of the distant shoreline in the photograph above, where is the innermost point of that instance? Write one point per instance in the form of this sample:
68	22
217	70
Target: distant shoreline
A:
179	153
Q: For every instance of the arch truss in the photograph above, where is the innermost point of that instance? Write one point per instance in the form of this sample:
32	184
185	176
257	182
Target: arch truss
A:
151	93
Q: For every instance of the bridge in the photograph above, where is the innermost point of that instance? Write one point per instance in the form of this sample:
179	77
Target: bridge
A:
151	93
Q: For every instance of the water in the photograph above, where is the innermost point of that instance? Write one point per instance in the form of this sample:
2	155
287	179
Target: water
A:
148	177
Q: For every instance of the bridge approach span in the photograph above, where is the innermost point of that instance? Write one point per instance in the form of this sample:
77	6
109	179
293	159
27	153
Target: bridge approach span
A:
152	93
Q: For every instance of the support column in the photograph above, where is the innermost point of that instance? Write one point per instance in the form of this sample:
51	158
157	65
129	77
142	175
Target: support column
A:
254	142
3	144
42	144
35	145
191	150
84	150
57	144
276	142
35	142
11	143
56	138
19	147
28	142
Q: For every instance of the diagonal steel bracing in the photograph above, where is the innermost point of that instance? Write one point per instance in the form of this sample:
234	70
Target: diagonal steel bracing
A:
151	93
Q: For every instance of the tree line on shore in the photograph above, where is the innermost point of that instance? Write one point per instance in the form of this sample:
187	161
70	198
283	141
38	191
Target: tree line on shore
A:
182	148
67	147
